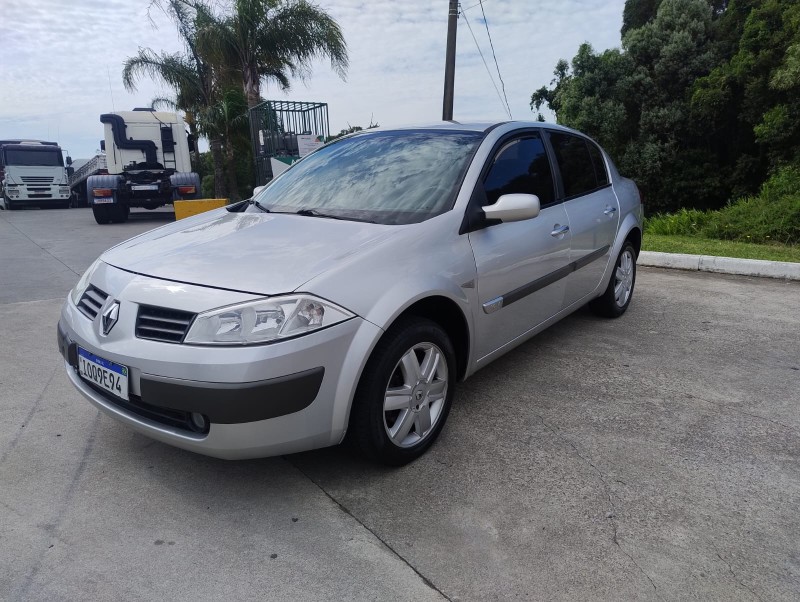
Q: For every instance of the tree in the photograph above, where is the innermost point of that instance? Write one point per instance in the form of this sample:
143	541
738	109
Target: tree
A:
275	39
189	74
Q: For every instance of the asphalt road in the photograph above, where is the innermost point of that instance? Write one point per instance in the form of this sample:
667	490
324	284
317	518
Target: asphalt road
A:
652	457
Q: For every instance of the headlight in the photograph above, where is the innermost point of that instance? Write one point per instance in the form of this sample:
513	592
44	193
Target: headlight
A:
77	292
264	321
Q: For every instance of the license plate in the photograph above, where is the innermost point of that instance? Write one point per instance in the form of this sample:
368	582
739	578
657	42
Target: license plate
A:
103	373
103	201
145	187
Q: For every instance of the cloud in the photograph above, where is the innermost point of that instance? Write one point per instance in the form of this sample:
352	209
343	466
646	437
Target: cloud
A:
58	58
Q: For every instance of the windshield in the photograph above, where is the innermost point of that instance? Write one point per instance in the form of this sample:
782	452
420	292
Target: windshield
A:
399	177
44	158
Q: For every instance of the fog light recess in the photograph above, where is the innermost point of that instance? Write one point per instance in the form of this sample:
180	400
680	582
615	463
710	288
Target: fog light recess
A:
199	421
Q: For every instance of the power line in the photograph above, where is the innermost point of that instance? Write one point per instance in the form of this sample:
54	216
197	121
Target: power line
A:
502	83
485	64
473	6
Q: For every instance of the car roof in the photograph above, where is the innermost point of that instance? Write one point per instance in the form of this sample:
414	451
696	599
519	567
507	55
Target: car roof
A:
476	126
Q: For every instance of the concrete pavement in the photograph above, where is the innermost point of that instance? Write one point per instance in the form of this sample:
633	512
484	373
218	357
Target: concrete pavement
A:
652	457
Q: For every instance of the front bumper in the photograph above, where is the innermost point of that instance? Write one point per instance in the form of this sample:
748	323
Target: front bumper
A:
260	400
38	194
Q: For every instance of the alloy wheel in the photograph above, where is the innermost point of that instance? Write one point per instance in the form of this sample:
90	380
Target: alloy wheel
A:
623	278
415	395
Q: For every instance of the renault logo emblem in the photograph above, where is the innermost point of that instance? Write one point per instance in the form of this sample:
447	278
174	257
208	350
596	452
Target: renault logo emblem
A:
110	316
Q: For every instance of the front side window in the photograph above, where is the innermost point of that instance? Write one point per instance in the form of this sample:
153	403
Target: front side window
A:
575	163
395	177
520	167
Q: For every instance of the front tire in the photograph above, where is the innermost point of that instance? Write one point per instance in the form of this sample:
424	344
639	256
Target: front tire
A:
617	297
405	393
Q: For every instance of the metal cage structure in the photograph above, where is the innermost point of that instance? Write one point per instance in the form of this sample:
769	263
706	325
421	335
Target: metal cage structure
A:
274	127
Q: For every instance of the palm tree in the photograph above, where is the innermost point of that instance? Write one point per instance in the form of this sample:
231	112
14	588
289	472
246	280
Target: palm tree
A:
275	39
228	118
189	74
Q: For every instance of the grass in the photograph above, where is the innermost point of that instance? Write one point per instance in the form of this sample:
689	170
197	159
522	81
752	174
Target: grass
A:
694	245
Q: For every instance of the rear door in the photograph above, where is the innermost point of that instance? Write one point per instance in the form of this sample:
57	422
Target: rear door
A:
520	265
592	208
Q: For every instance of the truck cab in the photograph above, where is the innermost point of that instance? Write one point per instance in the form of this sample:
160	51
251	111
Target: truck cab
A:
147	163
32	173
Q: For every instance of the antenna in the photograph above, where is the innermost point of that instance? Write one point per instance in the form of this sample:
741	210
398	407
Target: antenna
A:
110	90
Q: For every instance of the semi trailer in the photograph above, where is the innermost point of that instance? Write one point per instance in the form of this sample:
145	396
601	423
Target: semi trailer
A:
80	177
32	173
147	163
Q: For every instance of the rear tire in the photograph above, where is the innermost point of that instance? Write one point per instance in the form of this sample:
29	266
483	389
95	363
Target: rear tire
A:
101	214
405	393
617	297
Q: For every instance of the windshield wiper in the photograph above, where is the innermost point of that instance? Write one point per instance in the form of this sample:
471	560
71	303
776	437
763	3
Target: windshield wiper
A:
315	213
260	206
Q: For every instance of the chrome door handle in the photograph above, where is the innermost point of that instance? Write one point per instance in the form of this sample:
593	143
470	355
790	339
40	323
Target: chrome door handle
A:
610	210
559	230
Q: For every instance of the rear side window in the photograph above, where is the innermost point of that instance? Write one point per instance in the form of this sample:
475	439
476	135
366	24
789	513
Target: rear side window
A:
599	164
575	163
521	167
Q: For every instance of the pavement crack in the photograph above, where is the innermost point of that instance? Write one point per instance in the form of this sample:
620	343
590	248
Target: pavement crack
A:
386	544
733	574
612	515
15	441
734	409
53	526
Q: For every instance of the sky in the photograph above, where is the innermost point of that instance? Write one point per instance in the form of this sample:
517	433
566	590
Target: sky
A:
62	61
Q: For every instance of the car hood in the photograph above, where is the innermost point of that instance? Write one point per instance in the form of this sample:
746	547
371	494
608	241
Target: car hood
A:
251	252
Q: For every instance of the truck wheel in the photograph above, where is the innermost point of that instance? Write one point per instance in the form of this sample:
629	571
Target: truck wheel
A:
119	213
9	204
101	215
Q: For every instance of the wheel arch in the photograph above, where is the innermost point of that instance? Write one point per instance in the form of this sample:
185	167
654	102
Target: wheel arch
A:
635	237
447	314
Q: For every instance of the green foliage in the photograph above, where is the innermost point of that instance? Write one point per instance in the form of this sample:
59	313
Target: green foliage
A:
695	245
351	129
699	105
773	215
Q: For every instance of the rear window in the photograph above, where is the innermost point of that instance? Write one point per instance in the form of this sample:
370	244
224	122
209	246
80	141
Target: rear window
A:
575	163
599	164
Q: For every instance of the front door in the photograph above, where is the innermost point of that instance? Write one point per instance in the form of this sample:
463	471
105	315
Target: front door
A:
520	265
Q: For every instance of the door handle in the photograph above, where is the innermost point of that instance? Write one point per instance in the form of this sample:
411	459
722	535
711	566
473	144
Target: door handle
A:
610	210
559	230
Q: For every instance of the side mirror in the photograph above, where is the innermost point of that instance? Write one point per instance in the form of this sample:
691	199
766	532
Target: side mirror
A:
190	140
69	160
258	189
103	145
513	208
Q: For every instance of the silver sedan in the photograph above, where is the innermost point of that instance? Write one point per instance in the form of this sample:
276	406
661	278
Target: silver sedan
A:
351	295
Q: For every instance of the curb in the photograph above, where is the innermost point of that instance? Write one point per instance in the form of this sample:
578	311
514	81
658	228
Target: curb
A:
721	265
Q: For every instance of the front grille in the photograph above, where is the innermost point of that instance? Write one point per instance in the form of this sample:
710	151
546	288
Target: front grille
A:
37	179
160	324
91	302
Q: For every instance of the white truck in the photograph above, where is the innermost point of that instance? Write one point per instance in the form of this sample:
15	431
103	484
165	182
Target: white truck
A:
32	173
148	164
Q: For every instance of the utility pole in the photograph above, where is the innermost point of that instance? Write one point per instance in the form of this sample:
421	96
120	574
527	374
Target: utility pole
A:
450	62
